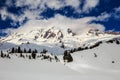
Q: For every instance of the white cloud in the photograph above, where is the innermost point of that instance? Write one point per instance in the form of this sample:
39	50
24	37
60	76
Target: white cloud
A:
90	4
117	9
73	3
103	17
77	25
54	4
33	10
36	7
33	4
116	14
3	13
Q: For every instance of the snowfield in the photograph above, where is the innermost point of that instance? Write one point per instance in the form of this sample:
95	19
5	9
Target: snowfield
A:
20	69
23	69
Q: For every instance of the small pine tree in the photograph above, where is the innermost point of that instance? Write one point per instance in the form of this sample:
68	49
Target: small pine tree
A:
79	48
19	49
13	50
29	51
2	55
35	51
44	51
67	57
71	51
8	56
21	55
62	46
117	42
33	55
50	59
29	56
70	59
56	58
113	61
25	50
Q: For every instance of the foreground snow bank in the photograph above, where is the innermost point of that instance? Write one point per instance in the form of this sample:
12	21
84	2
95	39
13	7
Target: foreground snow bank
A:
24	69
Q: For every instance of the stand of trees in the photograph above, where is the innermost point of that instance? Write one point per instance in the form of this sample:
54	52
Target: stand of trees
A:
3	55
19	50
67	57
32	54
113	40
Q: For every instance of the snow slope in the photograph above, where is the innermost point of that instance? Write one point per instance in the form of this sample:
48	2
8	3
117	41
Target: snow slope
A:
23	69
104	58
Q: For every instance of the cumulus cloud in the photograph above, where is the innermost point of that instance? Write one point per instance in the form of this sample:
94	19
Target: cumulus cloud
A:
103	17
73	3
55	4
5	14
77	25
116	13
117	9
33	8
90	4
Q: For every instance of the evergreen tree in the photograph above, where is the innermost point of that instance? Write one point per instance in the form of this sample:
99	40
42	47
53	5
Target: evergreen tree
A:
8	56
33	55
71	51
56	58
13	50
25	50
29	51
70	59
35	51
21	55
29	56
117	42
44	51
62	46
67	57
19	50
113	61
2	54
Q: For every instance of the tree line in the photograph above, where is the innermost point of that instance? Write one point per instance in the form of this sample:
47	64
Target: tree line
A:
30	54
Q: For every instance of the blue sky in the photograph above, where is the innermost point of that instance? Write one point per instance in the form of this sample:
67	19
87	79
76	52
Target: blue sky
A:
15	13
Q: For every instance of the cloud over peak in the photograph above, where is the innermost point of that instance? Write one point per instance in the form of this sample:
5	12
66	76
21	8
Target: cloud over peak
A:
77	25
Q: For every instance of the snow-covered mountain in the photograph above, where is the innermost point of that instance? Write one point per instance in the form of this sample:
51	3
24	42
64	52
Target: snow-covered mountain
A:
95	53
55	39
